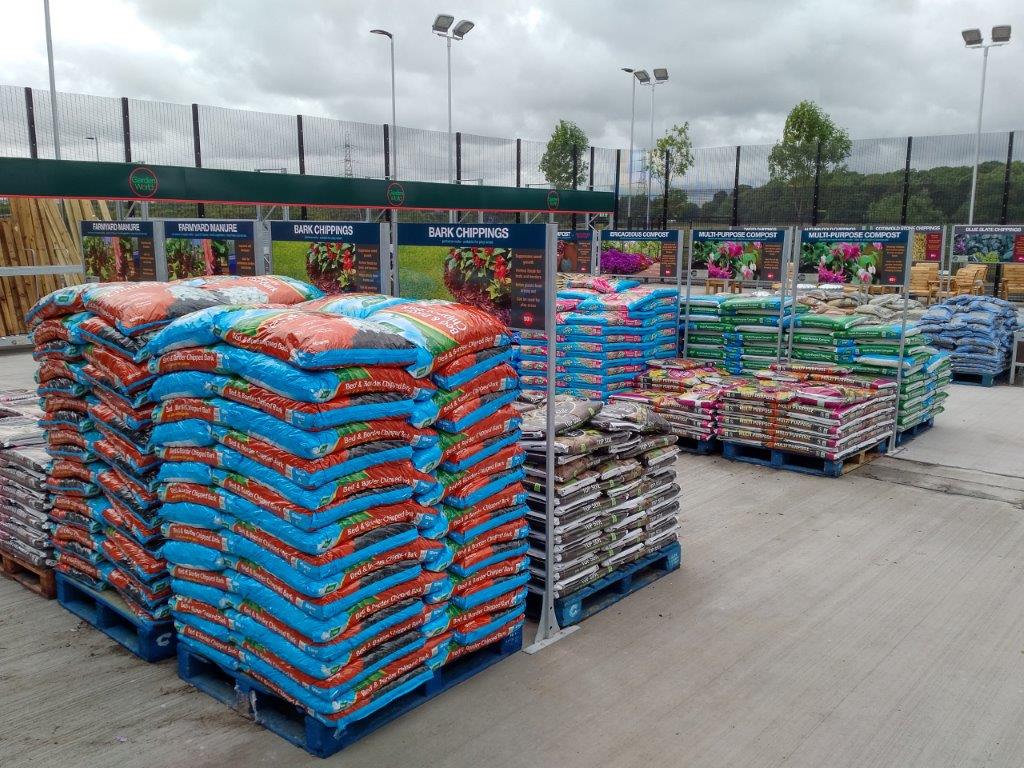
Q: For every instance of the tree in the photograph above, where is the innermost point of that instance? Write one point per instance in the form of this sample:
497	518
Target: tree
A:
677	143
566	140
807	132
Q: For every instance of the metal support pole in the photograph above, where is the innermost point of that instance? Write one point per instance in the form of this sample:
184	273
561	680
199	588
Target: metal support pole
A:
394	113
684	315
451	175
1006	179
387	152
903	336
664	197
650	157
736	190
575	177
198	150
590	185
126	129
618	179
300	137
906	182
53	82
629	185
519	174
817	185
30	117
977	138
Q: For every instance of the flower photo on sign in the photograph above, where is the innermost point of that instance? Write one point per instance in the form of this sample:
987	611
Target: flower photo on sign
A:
729	259
843	262
331	266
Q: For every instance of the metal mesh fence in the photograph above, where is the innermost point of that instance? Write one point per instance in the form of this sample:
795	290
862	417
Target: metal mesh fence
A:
871	185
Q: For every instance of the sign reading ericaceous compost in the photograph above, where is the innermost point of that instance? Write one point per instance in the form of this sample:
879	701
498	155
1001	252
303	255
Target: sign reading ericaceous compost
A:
988	244
499	268
647	253
198	247
749	254
856	256
118	250
336	256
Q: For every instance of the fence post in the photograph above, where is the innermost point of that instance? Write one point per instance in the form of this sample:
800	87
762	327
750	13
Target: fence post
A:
519	173
575	177
197	147
300	139
30	116
618	176
664	197
736	190
126	129
591	185
817	184
387	151
1006	179
906	182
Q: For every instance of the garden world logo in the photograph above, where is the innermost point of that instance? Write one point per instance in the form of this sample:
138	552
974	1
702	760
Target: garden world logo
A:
553	199
142	182
395	194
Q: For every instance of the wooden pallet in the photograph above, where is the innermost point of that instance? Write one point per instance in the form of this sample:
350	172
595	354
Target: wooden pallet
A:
908	434
149	640
610	589
255	701
699	447
37	578
801	462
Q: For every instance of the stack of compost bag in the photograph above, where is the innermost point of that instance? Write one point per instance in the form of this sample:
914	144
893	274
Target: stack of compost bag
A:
105	507
790	412
685	393
608	330
738	333
616	496
307	521
24	466
976	330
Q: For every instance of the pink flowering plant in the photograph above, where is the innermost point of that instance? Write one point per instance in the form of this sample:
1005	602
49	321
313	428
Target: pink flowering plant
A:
843	262
728	259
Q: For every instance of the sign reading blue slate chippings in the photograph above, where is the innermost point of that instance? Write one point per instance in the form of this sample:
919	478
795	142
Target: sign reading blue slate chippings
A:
118	250
857	256
650	253
198	247
338	256
499	268
740	254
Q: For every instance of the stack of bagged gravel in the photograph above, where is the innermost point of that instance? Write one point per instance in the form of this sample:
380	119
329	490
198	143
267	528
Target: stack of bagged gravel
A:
976	330
323	538
616	496
608	331
24	466
99	416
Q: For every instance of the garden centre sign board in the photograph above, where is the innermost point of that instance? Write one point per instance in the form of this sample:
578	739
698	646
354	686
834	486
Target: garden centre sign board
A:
501	268
740	254
336	256
988	243
856	256
197	247
118	250
649	253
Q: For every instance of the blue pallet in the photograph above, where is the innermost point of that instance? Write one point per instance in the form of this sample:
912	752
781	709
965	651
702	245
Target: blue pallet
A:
910	433
977	379
608	590
797	462
699	447
292	723
149	640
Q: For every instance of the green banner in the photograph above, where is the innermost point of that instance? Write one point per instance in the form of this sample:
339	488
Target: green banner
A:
25	177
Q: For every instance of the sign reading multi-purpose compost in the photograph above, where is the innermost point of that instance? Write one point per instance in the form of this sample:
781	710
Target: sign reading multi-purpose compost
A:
197	247
336	256
499	268
857	256
650	253
118	250
574	250
740	254
988	244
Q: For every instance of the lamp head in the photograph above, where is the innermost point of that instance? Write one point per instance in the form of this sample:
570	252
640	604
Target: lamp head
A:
972	37
462	29
1001	33
660	75
442	23
642	76
380	32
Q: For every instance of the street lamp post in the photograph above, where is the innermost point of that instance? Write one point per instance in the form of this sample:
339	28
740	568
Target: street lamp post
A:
634	76
53	81
441	26
394	121
974	39
660	76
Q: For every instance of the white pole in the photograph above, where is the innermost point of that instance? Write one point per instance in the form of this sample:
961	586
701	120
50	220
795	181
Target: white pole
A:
451	173
977	137
650	157
394	119
53	84
632	122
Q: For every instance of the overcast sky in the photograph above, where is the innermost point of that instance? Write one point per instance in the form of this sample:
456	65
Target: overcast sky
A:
880	67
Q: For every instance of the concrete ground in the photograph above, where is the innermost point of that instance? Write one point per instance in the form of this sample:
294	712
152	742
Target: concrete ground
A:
873	620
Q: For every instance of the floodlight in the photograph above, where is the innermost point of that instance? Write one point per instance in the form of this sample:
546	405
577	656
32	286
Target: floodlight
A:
628	71
661	75
380	32
972	36
1001	33
442	23
642	76
462	29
